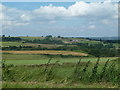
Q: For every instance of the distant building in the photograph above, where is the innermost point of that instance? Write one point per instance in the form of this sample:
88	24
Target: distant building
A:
74	40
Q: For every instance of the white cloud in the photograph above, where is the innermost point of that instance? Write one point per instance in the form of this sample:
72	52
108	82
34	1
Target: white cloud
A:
25	17
78	9
21	24
105	21
2	7
13	17
50	10
10	17
14	23
91	27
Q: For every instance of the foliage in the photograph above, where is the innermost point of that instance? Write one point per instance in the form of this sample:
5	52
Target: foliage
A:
11	38
81	72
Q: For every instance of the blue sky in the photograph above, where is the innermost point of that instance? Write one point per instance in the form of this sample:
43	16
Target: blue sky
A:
56	0
59	18
35	5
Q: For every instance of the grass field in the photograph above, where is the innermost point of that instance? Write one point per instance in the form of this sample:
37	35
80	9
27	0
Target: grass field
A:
12	43
6	44
61	76
30	70
44	61
31	38
81	40
18	59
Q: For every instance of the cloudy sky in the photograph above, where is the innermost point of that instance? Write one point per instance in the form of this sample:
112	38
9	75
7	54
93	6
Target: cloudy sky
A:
59	18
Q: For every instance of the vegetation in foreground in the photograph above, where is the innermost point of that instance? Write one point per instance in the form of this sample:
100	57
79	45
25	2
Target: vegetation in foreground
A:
76	74
51	84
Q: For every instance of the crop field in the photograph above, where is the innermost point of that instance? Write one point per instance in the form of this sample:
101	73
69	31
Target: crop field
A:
48	52
42	45
6	44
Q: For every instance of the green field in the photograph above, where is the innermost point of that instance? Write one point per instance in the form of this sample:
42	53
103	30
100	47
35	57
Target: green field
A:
66	40
31	38
60	75
18	59
12	43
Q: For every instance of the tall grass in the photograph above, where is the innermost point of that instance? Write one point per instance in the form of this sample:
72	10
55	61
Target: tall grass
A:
106	73
85	72
94	75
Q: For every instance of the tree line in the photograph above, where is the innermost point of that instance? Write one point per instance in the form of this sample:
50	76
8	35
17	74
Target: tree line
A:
47	40
97	50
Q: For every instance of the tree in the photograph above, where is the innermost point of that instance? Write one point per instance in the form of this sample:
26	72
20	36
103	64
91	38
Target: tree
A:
59	36
3	35
49	36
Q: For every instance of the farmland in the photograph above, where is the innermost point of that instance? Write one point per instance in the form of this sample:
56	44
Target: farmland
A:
32	62
18	59
47	52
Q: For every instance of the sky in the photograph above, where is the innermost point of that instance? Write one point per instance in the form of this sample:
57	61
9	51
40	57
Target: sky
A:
69	19
57	0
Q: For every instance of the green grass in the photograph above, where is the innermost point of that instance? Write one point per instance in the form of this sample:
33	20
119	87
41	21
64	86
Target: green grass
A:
116	45
31	38
64	40
34	77
18	59
23	57
82	40
4	44
11	43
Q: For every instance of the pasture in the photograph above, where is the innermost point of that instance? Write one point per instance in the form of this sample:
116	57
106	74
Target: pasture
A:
11	43
39	71
63	73
26	59
6	44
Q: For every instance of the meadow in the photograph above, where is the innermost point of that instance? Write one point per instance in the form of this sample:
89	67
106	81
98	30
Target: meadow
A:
62	74
25	59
